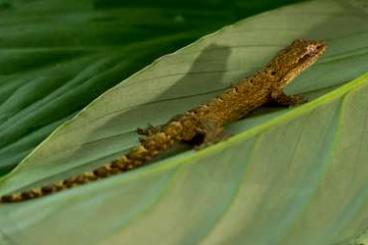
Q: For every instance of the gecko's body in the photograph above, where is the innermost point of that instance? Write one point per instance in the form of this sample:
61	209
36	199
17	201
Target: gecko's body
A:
205	122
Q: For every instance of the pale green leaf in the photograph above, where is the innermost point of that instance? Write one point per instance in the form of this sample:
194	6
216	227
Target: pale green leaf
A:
287	176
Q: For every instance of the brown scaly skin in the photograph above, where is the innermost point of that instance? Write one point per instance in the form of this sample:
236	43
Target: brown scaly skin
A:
205	121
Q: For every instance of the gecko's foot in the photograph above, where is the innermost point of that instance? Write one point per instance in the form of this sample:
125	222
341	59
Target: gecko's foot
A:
282	99
297	100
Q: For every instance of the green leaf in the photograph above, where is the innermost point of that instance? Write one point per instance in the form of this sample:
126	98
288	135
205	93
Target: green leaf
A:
287	176
56	56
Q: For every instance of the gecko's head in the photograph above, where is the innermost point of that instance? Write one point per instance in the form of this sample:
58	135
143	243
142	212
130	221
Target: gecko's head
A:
296	58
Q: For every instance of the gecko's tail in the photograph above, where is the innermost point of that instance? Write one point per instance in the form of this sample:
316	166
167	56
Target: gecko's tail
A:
112	168
149	148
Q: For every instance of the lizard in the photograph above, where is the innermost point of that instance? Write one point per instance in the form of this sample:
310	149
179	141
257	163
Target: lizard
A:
203	124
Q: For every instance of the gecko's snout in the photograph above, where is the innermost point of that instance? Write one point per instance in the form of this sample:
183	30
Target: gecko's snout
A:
309	52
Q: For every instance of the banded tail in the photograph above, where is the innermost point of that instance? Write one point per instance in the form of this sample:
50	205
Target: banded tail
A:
155	142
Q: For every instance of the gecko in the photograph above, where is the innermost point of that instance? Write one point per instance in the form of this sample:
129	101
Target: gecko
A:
204	124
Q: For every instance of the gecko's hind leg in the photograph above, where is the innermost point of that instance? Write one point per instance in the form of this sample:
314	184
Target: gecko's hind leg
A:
280	98
211	132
